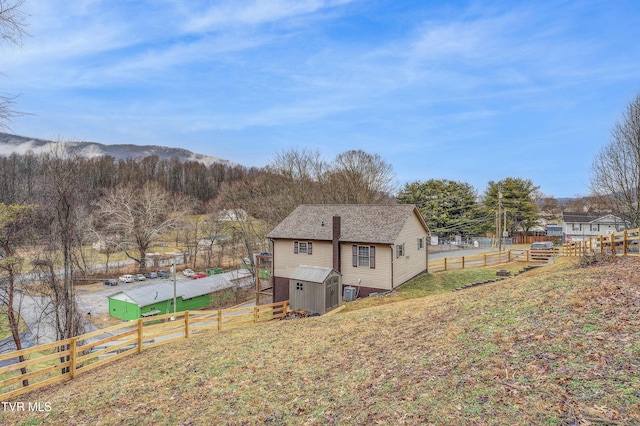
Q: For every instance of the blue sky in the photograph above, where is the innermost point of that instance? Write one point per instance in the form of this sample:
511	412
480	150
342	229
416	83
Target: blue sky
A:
472	91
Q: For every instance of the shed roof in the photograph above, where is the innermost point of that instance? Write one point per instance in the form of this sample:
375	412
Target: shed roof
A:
163	291
313	274
368	223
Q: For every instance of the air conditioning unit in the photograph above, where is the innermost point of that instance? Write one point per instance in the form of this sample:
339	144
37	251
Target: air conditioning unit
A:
349	293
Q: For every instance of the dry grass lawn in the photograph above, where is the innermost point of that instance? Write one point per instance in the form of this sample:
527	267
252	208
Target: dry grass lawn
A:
557	345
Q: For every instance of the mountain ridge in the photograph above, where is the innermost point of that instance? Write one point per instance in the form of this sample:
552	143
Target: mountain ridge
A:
10	143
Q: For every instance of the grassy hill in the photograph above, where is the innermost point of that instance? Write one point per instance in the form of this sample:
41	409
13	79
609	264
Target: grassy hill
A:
558	345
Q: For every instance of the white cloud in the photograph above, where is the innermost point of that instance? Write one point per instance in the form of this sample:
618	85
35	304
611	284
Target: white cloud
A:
254	12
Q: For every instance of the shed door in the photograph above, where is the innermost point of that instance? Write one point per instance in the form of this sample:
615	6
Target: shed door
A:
332	293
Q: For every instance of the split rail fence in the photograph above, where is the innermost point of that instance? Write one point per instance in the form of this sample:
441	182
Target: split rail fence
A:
490	259
63	360
623	243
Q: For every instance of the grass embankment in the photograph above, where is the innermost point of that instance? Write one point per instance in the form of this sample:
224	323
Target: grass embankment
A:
557	345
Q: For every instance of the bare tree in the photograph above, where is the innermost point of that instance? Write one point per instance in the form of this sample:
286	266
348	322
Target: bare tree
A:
15	231
11	31
302	172
62	202
192	232
138	216
615	173
358	177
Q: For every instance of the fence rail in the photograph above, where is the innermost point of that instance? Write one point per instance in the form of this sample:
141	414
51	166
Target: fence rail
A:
490	259
59	361
623	243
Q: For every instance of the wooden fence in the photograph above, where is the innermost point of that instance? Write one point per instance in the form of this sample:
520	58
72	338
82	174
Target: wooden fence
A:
623	243
491	259
59	361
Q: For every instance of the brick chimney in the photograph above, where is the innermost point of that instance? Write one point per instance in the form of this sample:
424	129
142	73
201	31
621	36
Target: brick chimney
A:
335	241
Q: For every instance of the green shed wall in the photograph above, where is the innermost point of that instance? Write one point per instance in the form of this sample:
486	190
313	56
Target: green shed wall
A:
131	311
123	310
195	303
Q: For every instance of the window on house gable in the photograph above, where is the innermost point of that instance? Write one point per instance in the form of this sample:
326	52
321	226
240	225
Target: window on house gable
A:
420	243
400	250
302	247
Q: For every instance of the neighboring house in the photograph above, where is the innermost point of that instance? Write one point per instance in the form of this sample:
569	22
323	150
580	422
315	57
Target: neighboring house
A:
578	226
157	299
374	248
232	215
554	229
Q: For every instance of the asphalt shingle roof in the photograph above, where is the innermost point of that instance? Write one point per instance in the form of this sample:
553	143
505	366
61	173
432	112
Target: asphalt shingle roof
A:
585	217
365	223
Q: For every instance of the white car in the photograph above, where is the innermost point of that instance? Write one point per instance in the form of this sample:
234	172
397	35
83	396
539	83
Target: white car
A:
188	272
127	278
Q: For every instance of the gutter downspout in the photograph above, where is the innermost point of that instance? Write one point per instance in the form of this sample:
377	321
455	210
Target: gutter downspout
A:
391	248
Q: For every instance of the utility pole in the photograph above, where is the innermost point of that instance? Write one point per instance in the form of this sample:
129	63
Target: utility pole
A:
174	285
505	233
499	231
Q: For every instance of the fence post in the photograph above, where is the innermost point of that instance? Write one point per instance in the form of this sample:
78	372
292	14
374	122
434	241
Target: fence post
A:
613	244
445	263
284	307
462	262
485	260
255	314
219	320
509	256
624	243
72	351
186	324
601	244
140	335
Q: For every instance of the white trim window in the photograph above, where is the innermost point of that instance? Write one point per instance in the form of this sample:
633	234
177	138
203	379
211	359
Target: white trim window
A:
302	247
363	256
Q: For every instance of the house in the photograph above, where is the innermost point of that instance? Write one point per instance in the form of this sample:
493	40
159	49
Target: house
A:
374	248
157	299
579	226
232	215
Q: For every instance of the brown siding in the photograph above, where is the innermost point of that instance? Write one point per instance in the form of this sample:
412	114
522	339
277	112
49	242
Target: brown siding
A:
280	289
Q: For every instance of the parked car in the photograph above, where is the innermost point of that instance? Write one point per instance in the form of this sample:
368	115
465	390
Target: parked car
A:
127	278
111	282
542	245
188	272
151	275
541	250
163	274
197	275
140	277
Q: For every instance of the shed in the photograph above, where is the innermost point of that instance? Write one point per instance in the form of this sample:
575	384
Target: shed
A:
315	289
156	299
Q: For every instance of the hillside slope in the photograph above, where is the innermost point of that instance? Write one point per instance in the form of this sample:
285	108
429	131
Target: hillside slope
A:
558	345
